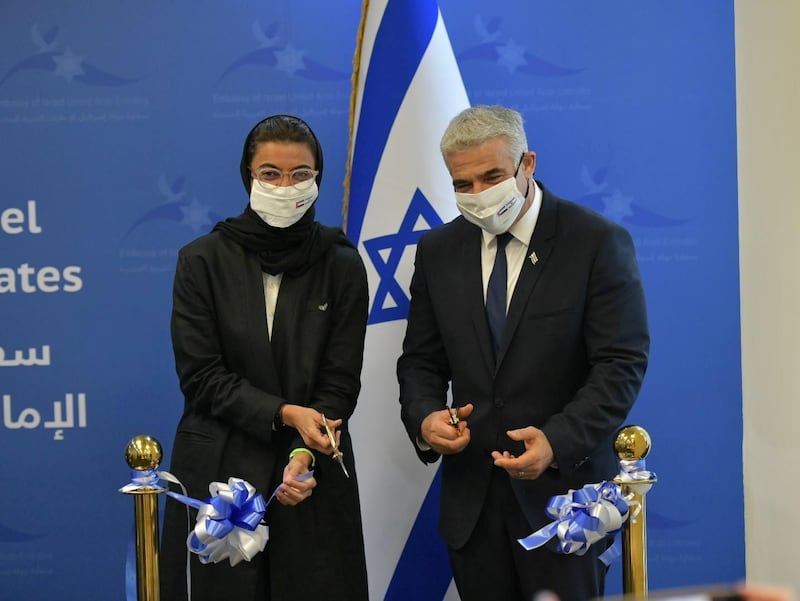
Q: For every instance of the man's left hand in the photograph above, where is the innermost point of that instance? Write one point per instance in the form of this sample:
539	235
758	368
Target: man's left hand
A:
538	455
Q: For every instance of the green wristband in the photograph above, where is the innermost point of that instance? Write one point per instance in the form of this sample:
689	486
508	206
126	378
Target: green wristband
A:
303	450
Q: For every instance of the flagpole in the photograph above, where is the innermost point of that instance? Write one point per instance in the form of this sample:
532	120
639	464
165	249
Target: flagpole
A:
351	123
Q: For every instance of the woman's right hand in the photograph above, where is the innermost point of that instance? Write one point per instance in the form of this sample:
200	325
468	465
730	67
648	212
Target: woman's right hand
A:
308	422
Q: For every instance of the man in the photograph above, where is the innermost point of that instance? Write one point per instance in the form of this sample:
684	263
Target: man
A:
545	350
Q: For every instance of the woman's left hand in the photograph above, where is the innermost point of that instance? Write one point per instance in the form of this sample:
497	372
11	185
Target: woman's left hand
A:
294	491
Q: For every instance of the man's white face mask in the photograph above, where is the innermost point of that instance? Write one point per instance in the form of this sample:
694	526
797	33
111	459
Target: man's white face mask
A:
282	206
495	209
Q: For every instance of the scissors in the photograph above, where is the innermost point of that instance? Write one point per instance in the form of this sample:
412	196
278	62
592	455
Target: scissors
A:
338	456
453	411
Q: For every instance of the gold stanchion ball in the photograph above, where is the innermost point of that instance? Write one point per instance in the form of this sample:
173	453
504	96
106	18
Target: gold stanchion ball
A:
632	443
143	453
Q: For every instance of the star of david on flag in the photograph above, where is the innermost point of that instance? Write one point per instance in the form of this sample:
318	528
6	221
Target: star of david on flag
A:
406	88
385	252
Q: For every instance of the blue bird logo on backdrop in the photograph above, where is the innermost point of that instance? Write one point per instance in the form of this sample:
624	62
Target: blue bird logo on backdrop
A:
191	213
617	206
283	57
498	48
64	64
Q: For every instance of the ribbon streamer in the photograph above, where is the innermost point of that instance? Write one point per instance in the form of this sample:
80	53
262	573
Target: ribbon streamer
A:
636	471
142	479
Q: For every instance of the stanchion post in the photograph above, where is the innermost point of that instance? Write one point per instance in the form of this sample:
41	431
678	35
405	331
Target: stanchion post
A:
144	454
632	444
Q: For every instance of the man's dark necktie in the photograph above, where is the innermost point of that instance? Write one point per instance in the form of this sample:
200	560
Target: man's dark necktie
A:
496	292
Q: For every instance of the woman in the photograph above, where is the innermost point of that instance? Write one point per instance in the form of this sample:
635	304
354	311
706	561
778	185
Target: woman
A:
268	322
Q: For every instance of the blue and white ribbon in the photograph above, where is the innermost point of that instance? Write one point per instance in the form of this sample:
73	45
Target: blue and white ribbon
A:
633	471
596	511
228	524
581	518
142	480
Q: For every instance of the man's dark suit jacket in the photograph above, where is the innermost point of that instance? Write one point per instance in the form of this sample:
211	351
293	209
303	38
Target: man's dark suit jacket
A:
571	362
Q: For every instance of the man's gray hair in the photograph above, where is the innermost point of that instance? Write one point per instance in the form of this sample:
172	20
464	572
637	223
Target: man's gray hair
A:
477	124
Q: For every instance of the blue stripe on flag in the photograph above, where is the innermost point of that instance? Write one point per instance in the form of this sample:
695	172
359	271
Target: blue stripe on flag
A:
423	571
402	38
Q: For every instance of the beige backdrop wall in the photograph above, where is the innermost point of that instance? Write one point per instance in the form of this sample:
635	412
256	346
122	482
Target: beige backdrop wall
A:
768	118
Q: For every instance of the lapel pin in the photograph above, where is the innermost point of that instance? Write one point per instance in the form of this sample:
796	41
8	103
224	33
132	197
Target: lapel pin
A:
534	259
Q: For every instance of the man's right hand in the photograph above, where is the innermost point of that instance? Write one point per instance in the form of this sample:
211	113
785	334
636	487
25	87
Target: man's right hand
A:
442	435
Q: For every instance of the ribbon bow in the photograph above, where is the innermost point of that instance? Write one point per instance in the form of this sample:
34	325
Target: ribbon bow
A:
581	518
228	524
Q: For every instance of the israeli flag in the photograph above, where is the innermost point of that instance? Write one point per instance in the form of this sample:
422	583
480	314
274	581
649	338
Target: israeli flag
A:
407	87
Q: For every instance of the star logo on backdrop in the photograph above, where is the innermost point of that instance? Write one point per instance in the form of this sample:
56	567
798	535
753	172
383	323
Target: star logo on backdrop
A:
68	65
193	214
289	60
617	206
196	216
391	301
511	56
274	52
494	46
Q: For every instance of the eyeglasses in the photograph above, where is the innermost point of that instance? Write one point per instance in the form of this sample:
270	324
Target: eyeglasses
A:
301	178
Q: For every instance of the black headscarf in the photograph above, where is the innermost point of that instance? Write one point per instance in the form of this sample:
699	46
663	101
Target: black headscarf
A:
293	249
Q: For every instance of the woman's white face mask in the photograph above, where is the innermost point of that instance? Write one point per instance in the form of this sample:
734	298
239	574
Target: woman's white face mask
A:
495	209
282	206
